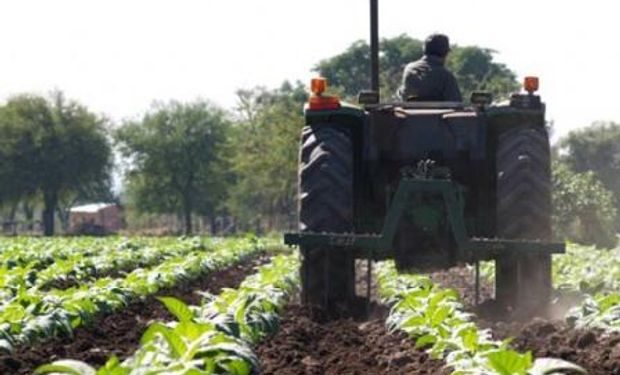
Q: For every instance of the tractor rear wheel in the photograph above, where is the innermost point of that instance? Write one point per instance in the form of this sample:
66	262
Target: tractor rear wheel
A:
523	164
326	205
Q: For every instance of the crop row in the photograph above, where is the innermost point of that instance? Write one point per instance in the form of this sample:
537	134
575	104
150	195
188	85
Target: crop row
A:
213	338
15	251
34	315
435	318
596	275
590	275
588	269
87	258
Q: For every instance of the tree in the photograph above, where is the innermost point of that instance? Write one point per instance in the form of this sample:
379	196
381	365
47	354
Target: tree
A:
52	146
584	210
264	153
474	68
18	152
172	155
597	149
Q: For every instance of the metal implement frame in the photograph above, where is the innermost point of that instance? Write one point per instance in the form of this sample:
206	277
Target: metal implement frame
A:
468	249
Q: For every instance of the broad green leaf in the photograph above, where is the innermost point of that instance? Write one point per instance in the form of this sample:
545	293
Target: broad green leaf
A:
414	321
193	331
548	366
13	313
470	338
177	308
238	367
425	340
113	367
66	366
510	362
237	349
440	315
174	341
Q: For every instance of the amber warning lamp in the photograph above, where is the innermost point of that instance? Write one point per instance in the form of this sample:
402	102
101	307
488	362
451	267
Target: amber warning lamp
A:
317	100
530	84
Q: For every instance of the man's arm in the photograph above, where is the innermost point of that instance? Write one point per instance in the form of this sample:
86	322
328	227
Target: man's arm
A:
407	89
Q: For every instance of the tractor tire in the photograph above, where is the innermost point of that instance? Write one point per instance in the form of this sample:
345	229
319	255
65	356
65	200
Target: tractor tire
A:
326	205
523	283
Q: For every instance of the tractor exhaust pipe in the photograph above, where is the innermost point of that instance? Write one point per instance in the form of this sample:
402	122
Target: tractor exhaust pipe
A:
374	46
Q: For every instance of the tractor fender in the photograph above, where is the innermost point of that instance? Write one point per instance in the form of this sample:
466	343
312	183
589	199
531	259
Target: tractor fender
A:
346	115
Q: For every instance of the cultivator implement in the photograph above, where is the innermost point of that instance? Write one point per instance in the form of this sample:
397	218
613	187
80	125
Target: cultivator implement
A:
378	246
470	250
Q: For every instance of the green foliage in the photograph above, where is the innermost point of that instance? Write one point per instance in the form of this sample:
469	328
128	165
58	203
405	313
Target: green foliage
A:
174	153
597	149
53	147
33	262
474	68
593	276
32	315
263	152
587	269
66	366
214	338
589	276
583	209
598	311
436	320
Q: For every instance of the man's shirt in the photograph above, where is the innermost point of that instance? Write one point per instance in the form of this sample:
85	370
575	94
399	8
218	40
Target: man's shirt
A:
428	80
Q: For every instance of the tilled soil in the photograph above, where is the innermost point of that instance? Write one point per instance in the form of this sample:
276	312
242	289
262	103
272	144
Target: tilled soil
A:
303	346
119	333
596	351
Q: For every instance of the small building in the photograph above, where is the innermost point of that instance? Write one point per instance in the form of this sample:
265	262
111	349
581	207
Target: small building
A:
96	218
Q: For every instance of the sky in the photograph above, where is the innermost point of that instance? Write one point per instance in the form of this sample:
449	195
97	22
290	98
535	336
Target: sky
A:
119	56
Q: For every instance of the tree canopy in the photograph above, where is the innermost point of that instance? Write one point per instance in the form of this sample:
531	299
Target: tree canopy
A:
264	152
54	147
584	210
595	148
473	67
173	152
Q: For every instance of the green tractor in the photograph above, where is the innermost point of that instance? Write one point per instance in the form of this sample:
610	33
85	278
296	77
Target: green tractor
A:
428	184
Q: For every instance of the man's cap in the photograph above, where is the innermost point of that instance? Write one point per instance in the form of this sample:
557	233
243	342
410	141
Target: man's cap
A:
437	45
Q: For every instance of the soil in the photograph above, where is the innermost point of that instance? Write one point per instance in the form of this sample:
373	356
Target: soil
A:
119	333
594	350
304	346
310	342
548	336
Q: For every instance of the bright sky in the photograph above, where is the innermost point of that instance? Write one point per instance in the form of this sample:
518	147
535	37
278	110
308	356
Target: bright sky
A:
118	56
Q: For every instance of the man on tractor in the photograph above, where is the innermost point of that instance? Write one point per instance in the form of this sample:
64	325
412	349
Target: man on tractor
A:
428	79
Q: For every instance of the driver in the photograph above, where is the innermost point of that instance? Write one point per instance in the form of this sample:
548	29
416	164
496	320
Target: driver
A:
428	79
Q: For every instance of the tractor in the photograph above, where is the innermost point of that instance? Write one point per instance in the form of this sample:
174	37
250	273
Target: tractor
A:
430	185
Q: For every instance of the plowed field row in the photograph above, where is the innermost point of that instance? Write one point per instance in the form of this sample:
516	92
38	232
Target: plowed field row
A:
421	325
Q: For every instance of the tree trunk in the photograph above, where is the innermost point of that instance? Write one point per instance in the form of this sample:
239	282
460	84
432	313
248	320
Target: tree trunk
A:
12	223
63	216
213	225
187	214
28	215
50	200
